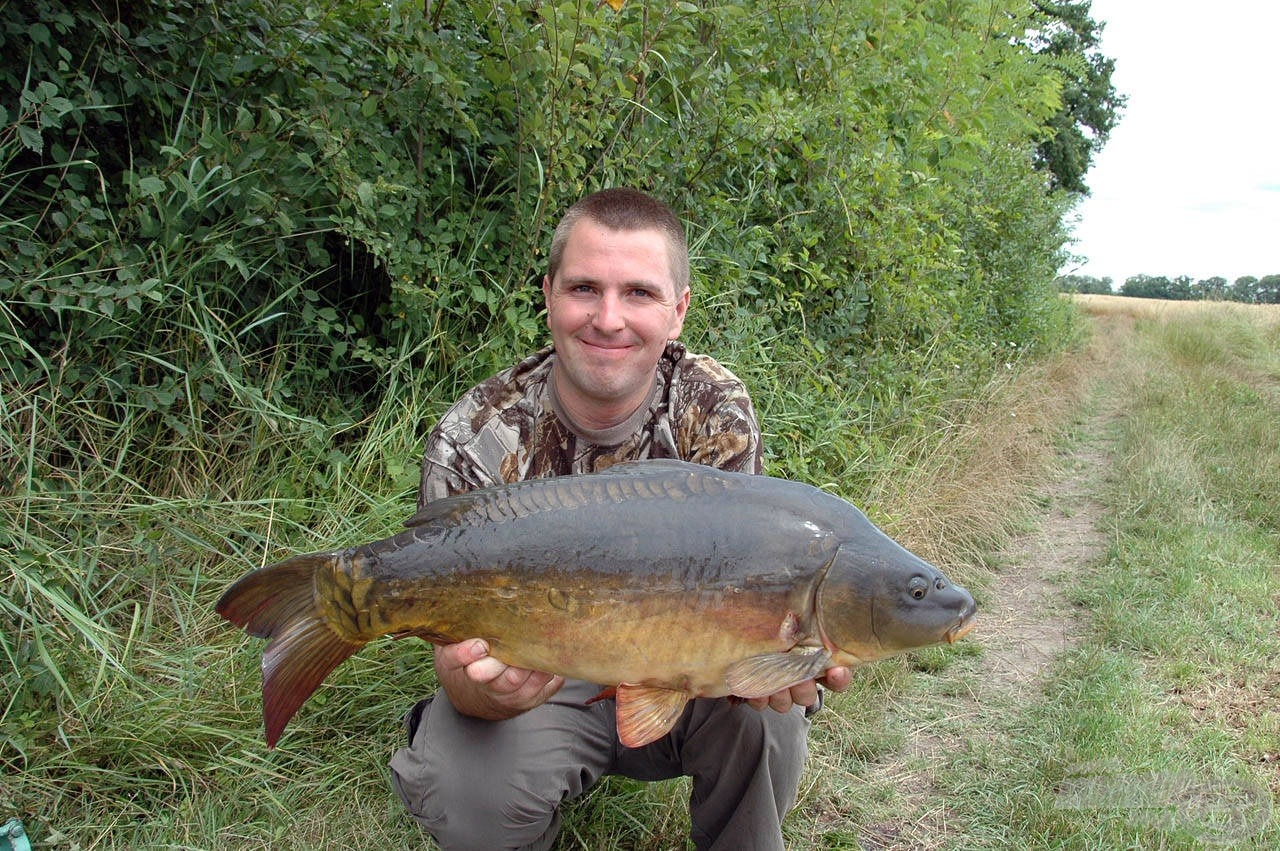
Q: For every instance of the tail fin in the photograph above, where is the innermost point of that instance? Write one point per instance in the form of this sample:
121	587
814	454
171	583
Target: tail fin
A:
278	603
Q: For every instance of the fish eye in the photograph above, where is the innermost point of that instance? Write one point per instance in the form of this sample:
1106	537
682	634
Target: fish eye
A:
917	588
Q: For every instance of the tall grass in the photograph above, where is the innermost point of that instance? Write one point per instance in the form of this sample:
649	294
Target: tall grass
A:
132	714
149	456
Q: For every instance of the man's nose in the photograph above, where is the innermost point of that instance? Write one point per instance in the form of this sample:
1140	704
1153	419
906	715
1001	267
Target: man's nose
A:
608	315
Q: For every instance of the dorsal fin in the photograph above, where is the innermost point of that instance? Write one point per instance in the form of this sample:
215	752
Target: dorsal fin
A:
621	481
652	465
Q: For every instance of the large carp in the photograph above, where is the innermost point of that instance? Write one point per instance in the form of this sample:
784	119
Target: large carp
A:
666	579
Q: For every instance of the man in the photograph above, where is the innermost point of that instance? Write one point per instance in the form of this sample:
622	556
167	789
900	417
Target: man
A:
494	753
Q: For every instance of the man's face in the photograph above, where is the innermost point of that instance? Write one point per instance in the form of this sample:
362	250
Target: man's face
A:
611	309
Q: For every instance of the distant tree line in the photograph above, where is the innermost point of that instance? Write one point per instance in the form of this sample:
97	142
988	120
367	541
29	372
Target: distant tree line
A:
1247	288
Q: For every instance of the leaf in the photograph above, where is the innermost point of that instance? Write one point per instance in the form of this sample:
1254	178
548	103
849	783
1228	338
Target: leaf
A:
151	186
31	138
38	33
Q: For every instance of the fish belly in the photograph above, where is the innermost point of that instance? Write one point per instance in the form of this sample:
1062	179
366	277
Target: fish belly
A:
682	643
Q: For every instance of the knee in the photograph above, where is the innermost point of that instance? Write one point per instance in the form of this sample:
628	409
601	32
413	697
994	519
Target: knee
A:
786	732
737	739
784	749
768	734
746	775
462	816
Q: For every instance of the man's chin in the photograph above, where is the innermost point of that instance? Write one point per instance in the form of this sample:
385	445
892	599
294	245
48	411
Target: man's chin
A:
607	387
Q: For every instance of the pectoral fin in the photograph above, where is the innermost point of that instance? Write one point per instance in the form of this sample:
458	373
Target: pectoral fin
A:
761	676
647	713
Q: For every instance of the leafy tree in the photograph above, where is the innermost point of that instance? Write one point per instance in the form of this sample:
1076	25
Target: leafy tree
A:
1086	284
1244	289
1214	289
1090	104
1146	286
1181	288
1268	290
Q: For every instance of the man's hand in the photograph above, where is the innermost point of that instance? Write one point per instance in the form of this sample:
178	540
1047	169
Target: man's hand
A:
805	693
480	686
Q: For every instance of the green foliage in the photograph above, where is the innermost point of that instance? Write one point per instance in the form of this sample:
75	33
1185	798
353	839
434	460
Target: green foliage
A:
1158	286
248	251
1251	290
1085	284
1090	107
1246	289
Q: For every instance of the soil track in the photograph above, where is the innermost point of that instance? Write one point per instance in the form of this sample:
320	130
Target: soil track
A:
1030	621
1026	622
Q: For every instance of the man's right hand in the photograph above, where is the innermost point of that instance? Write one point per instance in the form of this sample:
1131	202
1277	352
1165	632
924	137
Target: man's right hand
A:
480	686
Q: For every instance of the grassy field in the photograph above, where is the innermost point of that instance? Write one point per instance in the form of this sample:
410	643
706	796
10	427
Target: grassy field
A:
1156	723
1113	509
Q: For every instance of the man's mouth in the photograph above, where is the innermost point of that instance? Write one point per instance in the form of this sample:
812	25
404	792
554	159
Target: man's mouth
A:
605	347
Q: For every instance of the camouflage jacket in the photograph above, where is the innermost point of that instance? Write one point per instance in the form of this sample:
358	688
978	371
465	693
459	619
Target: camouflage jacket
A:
507	429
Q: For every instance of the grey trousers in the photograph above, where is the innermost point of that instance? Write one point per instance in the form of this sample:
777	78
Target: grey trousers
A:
488	785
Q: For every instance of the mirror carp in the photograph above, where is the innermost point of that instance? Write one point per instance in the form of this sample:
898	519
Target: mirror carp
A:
659	580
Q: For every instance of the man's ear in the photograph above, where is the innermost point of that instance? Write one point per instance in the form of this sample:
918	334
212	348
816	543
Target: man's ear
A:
682	307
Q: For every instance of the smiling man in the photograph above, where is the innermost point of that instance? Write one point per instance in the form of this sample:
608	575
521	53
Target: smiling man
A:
613	303
494	753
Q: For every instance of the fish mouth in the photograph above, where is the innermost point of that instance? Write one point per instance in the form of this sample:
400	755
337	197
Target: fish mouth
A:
961	629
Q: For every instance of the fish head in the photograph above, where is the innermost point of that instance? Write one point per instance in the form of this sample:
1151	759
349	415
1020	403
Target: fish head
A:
878	599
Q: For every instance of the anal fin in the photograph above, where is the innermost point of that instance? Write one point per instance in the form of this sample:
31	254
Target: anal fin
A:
647	713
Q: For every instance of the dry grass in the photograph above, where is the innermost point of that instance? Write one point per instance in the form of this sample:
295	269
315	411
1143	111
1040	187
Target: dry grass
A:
1155	308
967	485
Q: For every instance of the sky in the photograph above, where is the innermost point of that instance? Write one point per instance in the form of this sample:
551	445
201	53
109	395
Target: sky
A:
1189	182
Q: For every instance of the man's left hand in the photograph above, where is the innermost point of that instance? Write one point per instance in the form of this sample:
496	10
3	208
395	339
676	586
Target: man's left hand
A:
806	693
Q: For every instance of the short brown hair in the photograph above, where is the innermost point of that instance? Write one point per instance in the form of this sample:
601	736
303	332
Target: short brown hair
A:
625	209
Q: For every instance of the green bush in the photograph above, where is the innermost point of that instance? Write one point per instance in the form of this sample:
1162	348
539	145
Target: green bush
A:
249	251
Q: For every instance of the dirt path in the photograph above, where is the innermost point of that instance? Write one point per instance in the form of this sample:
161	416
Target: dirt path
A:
1026	622
1029	621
